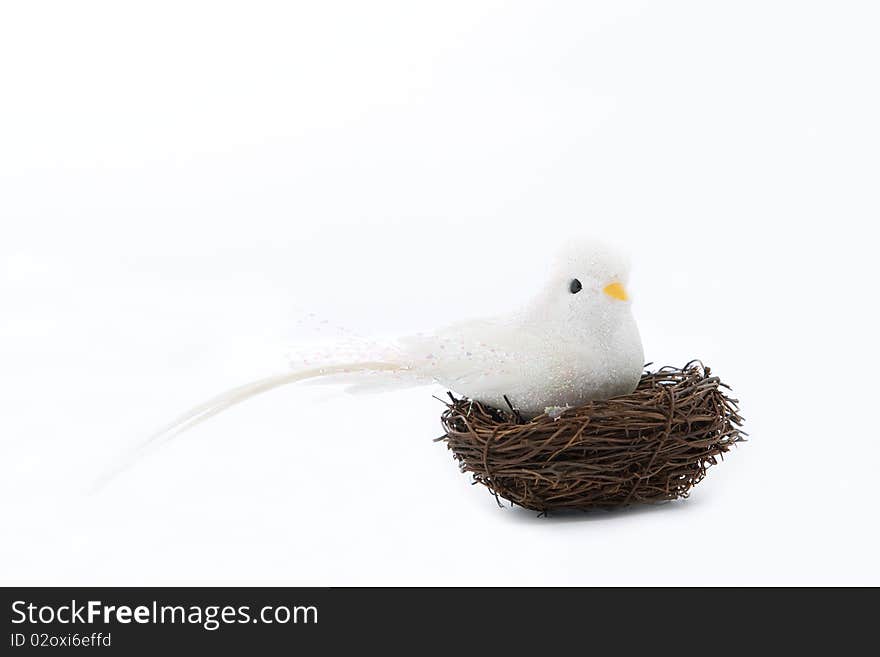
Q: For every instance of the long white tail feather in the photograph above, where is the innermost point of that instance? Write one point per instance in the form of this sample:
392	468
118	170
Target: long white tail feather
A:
230	398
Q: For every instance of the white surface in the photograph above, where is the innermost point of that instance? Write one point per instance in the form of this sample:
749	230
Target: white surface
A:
180	184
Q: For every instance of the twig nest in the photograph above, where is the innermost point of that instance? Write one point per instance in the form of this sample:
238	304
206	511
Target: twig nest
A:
650	446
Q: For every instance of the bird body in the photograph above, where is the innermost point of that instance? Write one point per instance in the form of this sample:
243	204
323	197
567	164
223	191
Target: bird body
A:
575	341
522	358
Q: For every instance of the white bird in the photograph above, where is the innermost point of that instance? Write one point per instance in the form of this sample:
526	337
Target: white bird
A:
576	341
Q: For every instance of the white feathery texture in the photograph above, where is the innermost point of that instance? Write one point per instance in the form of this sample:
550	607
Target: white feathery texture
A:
567	345
560	349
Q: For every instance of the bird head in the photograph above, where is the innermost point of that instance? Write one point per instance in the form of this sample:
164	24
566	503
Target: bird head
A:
587	286
590	273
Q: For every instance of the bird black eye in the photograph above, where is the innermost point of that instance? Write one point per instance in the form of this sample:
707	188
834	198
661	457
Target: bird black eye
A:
575	286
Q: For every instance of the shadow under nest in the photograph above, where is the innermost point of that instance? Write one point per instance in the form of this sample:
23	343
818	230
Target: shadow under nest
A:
649	446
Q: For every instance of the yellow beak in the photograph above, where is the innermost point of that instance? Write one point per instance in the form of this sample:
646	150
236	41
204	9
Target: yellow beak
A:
615	291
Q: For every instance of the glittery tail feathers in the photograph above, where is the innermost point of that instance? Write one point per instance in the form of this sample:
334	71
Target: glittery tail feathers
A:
231	398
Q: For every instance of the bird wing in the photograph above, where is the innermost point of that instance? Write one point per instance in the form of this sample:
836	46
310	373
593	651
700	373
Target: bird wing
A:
473	351
475	355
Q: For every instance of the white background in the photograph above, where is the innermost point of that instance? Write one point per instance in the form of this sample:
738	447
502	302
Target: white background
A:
181	184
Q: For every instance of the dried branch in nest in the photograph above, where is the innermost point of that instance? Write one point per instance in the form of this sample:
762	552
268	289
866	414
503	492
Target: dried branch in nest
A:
650	446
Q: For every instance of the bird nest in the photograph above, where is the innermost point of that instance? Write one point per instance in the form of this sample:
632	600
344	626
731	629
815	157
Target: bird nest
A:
649	446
